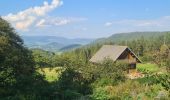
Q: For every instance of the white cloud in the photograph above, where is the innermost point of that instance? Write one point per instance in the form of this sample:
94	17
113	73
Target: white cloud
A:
163	21
41	23
129	25
107	24
23	25
24	19
57	21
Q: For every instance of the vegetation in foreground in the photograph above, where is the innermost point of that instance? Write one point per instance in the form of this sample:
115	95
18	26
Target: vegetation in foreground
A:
21	77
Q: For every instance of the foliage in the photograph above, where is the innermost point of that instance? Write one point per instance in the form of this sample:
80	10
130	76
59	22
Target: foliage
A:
147	57
163	79
16	60
168	64
42	58
100	94
108	72
129	90
18	76
113	71
51	74
161	57
71	85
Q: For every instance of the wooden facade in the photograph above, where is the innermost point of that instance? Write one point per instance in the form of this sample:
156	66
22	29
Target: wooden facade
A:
117	53
129	57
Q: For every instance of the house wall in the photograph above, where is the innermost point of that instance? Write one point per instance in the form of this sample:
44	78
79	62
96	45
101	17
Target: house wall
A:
131	59
132	64
128	57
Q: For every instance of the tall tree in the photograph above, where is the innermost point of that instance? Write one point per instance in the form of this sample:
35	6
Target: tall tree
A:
15	60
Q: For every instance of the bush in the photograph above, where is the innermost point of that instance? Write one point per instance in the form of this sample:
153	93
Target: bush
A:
129	90
113	71
71	85
100	94
163	79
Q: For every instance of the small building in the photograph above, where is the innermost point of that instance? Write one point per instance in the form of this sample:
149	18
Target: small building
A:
115	53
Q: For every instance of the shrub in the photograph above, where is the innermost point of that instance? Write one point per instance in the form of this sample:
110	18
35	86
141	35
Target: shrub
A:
129	90
100	94
71	85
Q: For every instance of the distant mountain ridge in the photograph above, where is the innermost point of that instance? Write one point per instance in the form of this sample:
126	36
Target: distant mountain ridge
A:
128	36
70	47
54	43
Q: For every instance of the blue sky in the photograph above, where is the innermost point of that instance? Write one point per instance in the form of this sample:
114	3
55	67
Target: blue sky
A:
85	18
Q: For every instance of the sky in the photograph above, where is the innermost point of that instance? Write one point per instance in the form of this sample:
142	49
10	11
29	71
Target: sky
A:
85	18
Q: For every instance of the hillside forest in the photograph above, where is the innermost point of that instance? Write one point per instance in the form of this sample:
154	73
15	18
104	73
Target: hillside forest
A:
37	74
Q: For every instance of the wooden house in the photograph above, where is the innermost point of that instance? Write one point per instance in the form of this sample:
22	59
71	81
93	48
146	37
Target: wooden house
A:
115	53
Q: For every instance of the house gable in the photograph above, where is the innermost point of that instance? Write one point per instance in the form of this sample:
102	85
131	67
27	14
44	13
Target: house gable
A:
112	52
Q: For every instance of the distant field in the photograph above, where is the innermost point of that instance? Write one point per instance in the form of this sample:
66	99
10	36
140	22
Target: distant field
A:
51	74
148	67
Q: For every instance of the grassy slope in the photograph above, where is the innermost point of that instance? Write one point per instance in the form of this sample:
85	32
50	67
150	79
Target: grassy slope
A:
148	67
51	74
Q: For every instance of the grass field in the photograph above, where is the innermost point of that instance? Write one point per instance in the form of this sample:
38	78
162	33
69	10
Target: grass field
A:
148	67
51	74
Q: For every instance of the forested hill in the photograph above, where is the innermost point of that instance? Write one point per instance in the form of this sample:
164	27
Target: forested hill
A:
54	43
60	44
142	43
128	36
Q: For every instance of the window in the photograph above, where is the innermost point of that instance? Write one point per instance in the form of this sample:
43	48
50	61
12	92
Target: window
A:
132	66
